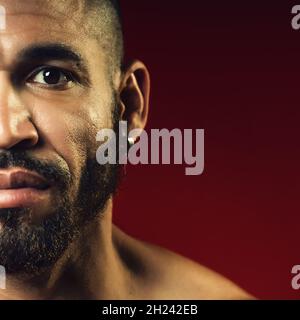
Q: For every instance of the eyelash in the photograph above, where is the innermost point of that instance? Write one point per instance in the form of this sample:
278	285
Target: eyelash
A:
71	76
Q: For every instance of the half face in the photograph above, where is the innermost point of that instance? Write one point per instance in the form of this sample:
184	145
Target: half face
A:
55	94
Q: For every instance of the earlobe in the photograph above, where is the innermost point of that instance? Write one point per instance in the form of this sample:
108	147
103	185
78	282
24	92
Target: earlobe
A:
134	95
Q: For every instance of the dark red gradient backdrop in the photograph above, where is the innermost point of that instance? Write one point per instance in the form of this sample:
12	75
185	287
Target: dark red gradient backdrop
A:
233	69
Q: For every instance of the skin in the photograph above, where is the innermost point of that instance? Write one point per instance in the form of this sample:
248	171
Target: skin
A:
104	262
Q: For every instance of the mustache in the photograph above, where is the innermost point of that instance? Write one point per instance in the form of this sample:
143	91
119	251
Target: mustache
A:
54	173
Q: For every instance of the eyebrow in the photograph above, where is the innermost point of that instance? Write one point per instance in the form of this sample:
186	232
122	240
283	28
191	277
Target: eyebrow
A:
52	51
49	52
41	53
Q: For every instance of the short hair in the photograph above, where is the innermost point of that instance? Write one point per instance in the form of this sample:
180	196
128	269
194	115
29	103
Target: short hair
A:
108	28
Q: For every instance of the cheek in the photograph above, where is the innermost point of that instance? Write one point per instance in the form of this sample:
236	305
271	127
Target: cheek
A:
70	131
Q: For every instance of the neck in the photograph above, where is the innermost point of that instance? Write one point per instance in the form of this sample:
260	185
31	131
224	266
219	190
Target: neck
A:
91	268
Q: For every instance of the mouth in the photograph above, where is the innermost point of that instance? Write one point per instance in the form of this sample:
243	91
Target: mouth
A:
22	188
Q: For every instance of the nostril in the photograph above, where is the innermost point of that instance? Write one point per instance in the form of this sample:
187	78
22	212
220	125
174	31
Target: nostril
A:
17	131
26	136
25	143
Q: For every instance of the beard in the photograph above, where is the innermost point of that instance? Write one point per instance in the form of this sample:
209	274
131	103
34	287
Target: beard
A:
32	248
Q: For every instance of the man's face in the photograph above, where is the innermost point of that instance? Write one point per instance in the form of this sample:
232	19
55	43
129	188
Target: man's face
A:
55	94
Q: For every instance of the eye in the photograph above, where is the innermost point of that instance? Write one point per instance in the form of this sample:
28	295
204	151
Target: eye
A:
51	77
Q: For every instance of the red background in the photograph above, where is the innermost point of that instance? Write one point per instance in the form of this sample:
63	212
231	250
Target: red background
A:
233	69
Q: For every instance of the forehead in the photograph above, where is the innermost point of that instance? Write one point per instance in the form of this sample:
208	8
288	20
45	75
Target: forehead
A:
69	14
43	21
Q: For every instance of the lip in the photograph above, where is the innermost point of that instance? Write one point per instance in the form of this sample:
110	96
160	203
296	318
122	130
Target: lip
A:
22	188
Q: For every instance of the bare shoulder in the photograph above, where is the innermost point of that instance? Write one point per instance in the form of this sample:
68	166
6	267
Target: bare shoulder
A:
163	274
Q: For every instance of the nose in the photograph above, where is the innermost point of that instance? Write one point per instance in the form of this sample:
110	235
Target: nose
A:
16	129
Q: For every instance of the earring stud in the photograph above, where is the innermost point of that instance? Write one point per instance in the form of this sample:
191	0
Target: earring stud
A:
131	142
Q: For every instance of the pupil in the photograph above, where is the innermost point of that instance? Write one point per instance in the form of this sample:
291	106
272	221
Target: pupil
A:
51	76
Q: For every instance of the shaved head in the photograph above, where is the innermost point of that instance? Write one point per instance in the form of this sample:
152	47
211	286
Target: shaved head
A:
107	27
99	19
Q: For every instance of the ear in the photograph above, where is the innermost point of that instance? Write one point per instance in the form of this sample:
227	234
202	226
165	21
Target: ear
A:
134	95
